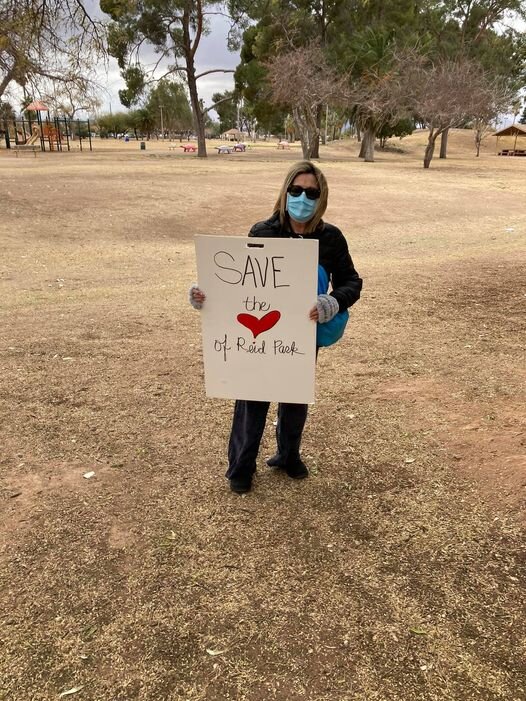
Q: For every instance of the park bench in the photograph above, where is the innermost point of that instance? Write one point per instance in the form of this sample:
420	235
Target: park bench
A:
21	148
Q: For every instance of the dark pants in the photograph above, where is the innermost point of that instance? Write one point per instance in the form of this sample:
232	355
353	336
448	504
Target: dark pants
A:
247	429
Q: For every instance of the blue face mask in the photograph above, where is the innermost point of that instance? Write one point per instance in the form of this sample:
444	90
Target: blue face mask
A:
300	208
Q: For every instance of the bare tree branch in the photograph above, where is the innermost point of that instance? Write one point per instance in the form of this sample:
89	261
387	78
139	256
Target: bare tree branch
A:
215	70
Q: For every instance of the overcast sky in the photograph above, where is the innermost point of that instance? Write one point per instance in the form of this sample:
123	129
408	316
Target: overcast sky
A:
212	53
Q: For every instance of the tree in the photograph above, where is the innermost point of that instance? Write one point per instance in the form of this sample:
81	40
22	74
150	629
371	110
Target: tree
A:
6	112
448	94
251	80
53	40
492	99
168	100
281	28
380	97
69	98
482	31
522	120
115	124
404	127
140	120
226	106
335	118
303	81
174	29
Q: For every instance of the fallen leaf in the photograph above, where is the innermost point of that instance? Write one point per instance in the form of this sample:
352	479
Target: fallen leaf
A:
418	631
410	460
214	653
70	691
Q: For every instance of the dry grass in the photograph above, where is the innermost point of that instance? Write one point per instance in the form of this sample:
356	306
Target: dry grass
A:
394	573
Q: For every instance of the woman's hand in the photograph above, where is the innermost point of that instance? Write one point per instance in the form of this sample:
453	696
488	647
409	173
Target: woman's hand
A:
196	297
314	314
326	309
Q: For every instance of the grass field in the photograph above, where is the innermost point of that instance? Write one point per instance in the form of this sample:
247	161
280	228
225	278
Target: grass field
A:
394	573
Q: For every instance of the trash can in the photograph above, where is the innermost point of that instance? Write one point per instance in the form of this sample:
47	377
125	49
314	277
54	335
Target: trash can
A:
143	146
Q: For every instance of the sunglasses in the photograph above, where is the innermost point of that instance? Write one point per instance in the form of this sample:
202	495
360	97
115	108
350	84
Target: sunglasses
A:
296	190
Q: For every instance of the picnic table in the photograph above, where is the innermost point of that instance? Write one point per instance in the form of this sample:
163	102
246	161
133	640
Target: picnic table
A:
512	152
283	144
240	147
190	148
224	149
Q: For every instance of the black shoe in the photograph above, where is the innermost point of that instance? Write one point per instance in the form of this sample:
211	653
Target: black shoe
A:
240	486
275	461
297	469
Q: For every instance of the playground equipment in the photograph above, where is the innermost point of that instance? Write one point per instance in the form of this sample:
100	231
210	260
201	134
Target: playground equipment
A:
52	134
21	139
29	143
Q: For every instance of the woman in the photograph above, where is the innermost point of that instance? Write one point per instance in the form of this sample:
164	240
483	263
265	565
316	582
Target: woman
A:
297	213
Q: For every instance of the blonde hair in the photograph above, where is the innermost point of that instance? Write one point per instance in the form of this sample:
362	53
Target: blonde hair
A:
281	203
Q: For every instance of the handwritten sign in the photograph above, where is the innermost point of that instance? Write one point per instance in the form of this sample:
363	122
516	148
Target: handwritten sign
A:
258	341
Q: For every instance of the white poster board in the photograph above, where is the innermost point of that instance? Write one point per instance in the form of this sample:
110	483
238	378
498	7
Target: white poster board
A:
258	341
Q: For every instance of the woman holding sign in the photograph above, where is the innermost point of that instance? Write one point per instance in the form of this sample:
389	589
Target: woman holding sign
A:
298	213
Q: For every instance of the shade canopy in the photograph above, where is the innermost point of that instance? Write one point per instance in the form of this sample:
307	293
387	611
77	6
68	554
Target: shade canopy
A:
512	130
37	106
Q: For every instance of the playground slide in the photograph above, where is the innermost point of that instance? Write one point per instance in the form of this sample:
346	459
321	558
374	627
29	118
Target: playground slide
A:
30	141
34	137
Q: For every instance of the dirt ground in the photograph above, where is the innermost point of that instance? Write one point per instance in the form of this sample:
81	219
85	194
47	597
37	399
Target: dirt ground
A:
394	573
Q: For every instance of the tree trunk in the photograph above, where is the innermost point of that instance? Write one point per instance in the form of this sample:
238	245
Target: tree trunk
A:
367	147
362	150
358	134
310	145
430	148
315	138
199	121
197	110
478	141
309	134
443	143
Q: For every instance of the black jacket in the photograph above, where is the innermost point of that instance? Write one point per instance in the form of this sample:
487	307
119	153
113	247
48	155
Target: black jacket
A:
333	256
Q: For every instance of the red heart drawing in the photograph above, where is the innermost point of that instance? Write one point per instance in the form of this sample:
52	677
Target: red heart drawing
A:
256	325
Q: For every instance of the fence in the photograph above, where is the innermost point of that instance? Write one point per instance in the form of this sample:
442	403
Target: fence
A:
49	134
